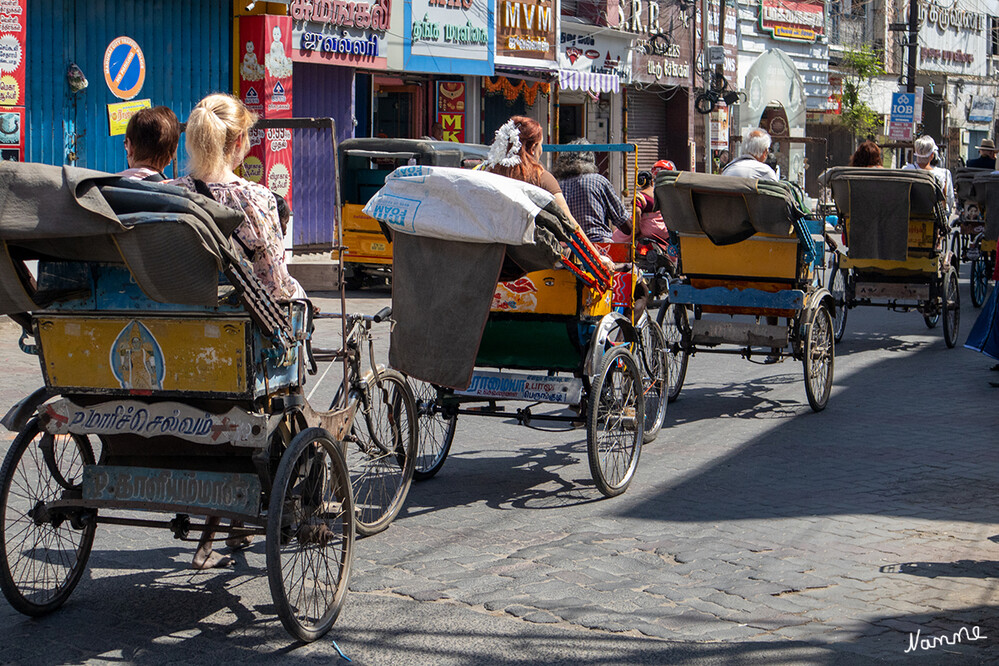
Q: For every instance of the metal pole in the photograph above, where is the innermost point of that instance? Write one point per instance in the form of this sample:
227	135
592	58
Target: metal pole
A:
910	75
707	74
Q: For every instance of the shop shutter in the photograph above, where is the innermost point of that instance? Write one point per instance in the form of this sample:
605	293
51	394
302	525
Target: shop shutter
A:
647	129
187	45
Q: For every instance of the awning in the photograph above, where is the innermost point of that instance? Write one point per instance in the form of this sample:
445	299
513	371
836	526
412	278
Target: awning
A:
571	79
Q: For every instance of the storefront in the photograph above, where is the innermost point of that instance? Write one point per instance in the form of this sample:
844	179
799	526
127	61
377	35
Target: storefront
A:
953	71
526	65
658	104
784	71
65	100
594	63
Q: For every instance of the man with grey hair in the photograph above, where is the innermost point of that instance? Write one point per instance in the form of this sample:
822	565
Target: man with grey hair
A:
924	152
752	162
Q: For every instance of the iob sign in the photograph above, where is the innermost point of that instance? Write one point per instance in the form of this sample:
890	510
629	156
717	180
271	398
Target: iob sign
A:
903	116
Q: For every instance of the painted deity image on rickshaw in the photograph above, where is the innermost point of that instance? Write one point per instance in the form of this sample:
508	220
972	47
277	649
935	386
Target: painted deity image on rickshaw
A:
174	385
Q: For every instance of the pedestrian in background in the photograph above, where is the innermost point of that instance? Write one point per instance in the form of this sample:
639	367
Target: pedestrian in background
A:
986	156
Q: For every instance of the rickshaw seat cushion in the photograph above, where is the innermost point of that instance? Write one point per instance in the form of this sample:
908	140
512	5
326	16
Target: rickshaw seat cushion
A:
964	181
986	193
172	240
879	203
726	209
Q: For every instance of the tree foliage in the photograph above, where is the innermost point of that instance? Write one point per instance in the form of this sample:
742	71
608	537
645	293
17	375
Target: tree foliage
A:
860	66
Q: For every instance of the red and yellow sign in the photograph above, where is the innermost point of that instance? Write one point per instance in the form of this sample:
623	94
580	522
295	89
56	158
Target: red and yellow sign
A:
13	32
793	21
451	109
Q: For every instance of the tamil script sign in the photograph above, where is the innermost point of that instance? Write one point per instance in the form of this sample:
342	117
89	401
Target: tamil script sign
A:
231	493
515	386
793	21
161	419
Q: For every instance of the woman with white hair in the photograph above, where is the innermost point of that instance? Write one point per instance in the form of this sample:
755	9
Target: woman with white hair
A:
923	152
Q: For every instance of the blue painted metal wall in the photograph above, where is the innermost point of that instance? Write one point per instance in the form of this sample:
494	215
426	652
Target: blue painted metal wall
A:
320	91
187	48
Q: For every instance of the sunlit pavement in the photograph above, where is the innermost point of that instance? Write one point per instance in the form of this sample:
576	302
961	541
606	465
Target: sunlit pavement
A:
754	532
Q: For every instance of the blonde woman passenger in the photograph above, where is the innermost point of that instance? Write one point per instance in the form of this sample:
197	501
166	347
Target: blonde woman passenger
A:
217	139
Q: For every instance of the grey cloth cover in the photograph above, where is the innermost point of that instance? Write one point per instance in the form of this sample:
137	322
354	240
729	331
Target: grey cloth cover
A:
172	240
964	179
442	291
726	209
441	294
879	203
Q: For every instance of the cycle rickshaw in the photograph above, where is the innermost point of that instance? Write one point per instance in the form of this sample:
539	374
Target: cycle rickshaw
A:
980	248
971	244
546	332
897	254
747	251
364	163
174	385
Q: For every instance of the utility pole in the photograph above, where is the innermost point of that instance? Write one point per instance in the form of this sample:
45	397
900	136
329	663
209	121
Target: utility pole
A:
707	79
910	75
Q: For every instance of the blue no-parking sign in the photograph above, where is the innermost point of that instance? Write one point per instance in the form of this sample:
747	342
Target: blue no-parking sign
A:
124	67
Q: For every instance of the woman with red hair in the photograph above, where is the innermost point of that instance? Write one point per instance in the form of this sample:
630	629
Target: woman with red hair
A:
515	152
868	155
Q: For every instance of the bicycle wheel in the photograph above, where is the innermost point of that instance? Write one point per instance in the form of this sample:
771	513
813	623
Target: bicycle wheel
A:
837	287
818	359
381	451
44	554
655	380
979	280
436	431
615	422
951	308
310	535
673	319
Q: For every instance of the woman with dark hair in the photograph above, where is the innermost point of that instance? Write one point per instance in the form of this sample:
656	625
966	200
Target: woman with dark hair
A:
514	153
868	155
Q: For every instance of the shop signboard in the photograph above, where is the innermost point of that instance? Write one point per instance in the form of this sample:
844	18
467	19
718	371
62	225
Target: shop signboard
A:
11	133
264	65
902	119
982	109
13	32
527	30
269	160
265	87
341	33
449	36
792	21
596	52
451	109
661	50
120	113
954	39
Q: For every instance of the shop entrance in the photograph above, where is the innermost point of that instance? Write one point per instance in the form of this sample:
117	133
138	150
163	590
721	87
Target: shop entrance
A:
570	122
392	111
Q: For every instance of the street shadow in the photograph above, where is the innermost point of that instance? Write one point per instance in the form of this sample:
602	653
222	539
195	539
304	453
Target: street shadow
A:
892	441
959	569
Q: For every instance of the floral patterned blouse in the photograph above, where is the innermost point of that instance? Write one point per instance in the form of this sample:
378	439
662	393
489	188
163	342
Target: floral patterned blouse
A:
261	231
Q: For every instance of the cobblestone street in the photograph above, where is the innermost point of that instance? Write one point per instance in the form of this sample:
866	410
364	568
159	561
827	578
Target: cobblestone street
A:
755	531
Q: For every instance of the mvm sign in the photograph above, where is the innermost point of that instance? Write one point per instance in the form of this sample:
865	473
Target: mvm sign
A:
527	29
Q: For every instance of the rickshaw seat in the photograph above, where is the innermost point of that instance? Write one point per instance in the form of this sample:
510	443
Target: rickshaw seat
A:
964	179
890	215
